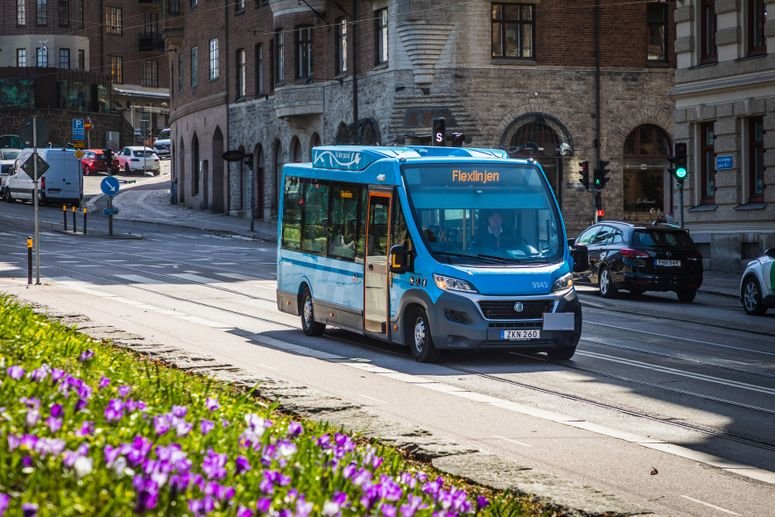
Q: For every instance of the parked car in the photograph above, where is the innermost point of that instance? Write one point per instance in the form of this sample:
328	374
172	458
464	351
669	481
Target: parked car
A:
11	142
95	161
757	284
163	145
7	159
641	257
62	182
136	158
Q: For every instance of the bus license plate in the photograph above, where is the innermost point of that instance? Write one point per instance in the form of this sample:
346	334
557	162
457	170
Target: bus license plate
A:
667	263
515	335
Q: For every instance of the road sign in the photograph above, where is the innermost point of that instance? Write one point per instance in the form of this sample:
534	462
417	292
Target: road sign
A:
109	186
41	130
29	166
78	129
78	154
723	162
87	125
79	144
110	211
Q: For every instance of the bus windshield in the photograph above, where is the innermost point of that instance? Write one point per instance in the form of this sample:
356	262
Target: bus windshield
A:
485	215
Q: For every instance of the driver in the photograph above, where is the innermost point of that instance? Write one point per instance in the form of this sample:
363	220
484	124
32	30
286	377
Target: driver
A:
494	237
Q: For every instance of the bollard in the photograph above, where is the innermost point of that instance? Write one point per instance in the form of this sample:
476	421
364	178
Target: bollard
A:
29	260
85	213
64	215
75	228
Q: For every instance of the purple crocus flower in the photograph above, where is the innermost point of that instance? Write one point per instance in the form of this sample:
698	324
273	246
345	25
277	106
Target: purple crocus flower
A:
161	424
213	465
147	493
27	461
15	372
29	509
104	383
179	411
33	415
241	465
5	499
482	502
56	410
13	442
86	355
57	373
211	404
244	511
87	429
264	504
388	510
295	429
54	424
205	426
124	390
182	428
39	374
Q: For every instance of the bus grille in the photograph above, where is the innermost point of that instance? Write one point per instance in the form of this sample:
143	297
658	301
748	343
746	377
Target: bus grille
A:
504	310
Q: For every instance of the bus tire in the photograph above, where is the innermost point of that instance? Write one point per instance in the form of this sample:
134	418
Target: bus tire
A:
418	337
309	326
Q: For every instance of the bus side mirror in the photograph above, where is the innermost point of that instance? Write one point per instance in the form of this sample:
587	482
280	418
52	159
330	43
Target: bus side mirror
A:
580	258
400	259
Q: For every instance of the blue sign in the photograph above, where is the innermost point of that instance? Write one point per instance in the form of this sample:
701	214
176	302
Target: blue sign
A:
110	211
78	129
723	162
109	186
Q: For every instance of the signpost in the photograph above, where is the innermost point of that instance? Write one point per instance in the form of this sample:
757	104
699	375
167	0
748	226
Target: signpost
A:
723	163
110	187
79	133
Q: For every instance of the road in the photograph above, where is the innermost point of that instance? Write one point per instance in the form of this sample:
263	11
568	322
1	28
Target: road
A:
666	408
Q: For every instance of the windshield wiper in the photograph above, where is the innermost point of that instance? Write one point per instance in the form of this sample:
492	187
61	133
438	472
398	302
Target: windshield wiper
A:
494	257
466	255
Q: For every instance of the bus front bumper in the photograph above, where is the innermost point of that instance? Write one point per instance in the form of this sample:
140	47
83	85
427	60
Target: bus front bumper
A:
457	323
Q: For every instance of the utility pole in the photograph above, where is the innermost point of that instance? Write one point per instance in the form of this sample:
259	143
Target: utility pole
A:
596	193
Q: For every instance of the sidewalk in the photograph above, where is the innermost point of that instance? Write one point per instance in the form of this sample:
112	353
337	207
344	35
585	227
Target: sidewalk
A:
153	206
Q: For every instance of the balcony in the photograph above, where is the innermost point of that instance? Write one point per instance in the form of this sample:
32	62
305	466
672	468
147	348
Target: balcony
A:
149	5
298	101
172	33
283	7
150	41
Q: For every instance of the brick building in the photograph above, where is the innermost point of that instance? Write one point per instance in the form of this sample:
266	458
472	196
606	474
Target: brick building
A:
69	59
725	112
558	80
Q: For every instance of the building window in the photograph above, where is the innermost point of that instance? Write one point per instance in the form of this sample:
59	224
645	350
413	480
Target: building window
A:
117	69
21	12
194	3
303	52
64	13
756	159
757	15
150	24
239	6
214	68
381	33
279	58
708	51
259	69
708	164
64	58
241	70
21	57
513	30
173	7
113	20
81	59
341	45
41	57
194	67
181	63
151	74
41	12
657	26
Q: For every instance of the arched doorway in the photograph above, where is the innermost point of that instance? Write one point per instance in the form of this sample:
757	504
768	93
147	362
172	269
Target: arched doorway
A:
646	185
218	172
314	141
277	165
180	158
295	155
258	182
196	179
543	138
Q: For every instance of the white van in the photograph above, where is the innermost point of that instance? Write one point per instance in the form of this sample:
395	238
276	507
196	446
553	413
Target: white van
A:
61	183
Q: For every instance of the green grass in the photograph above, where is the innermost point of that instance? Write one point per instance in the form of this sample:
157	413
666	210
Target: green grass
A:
81	477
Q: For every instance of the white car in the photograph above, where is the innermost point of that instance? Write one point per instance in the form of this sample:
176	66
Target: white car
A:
7	159
757	285
163	145
136	158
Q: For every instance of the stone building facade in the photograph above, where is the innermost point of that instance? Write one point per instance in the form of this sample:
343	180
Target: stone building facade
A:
725	112
535	78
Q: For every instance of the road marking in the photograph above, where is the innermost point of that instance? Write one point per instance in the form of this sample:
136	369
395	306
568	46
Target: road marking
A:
194	278
7	266
380	401
137	279
523	444
681	373
692	499
237	276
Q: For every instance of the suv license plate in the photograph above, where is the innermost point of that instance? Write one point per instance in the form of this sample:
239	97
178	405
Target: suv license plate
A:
516	335
667	263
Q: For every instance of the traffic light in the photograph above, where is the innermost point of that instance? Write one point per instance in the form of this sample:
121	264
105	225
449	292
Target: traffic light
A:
458	139
439	131
680	171
601	174
584	172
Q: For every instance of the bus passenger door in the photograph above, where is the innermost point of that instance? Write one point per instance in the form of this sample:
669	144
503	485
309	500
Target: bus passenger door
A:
375	275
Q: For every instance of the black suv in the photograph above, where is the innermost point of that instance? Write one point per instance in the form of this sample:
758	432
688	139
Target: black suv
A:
641	258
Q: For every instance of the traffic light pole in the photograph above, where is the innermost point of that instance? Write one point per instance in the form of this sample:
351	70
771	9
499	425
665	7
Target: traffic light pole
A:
35	191
681	201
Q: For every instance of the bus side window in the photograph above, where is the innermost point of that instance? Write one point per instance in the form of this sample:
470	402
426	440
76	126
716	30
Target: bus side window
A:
400	233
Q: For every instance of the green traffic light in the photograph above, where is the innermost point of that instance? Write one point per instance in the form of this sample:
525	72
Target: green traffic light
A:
680	173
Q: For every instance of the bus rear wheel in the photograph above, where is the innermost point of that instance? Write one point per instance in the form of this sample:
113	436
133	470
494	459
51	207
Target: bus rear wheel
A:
309	326
418	337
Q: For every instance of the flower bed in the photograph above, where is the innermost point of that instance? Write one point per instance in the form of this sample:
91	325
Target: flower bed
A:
89	429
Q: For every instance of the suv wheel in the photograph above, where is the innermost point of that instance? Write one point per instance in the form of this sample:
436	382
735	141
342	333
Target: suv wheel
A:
606	284
686	295
751	297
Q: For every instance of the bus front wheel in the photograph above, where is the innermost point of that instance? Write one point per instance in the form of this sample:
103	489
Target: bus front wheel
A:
309	326
419	337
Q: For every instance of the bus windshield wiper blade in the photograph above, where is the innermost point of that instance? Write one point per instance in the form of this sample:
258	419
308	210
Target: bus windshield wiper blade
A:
467	256
494	257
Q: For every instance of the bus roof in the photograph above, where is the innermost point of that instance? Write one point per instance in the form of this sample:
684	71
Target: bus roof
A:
358	158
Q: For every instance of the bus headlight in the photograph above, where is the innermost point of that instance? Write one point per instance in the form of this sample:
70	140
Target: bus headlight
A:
447	283
563	283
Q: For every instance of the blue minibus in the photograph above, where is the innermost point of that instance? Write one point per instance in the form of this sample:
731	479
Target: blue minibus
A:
435	248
